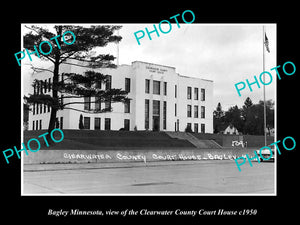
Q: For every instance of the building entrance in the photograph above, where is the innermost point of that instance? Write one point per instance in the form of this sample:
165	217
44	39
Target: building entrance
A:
156	123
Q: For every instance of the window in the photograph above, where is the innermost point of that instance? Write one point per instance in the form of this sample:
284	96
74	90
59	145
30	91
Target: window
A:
126	124
195	111
97	123
40	124
34	89
41	108
202	94
41	86
97	103
87	103
165	115
147	86
37	88
202	112
196	127
36	124
189	111
49	84
98	84
165	88
45	106
108	82
127	84
156	108
189	126
175	91
196	96
45	86
86	122
146	114
202	128
189	93
108	105
156	87
37	108
33	110
33	125
127	106
107	124
175	109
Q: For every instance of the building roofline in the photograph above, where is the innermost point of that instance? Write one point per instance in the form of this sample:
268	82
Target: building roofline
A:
194	78
154	64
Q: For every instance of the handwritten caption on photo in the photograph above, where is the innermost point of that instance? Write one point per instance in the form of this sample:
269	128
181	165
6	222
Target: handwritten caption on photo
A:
143	158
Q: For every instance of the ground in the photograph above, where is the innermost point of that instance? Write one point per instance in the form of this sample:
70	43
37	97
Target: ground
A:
167	177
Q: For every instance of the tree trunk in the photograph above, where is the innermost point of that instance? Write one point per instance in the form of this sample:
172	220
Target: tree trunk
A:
55	106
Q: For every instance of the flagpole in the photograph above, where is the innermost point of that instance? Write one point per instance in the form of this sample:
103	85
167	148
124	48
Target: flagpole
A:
264	91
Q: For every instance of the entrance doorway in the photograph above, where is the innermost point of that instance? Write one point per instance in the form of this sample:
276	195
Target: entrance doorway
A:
155	123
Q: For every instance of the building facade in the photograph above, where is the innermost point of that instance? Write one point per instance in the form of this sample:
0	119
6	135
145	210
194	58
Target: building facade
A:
161	100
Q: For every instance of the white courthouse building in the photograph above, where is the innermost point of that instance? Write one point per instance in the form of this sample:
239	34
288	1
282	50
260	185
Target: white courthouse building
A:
161	100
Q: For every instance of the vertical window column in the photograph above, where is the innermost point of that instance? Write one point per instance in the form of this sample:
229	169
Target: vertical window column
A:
165	115
107	124
147	114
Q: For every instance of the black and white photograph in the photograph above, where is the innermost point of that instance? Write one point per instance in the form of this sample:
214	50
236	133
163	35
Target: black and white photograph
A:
149	109
143	112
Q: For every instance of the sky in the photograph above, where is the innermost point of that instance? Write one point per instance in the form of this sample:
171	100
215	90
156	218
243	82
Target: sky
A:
224	53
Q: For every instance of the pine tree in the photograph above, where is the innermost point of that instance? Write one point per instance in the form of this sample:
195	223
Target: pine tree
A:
247	103
218	117
80	53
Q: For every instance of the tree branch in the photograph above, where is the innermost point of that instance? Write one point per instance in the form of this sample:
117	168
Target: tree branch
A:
38	69
90	112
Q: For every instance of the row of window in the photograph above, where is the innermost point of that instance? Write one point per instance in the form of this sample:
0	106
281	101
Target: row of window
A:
189	127
156	90
88	104
38	108
41	86
156	87
107	123
196	129
44	86
37	124
196	93
196	109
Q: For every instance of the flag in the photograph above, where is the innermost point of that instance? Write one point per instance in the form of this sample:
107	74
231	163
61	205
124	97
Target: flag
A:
267	43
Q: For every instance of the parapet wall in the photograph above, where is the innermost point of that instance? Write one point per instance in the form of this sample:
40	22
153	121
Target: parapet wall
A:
102	156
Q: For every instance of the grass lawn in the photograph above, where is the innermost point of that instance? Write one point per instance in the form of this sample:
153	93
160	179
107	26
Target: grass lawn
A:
108	140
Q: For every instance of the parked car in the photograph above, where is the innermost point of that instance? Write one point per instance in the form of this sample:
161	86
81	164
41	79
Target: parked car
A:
265	155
